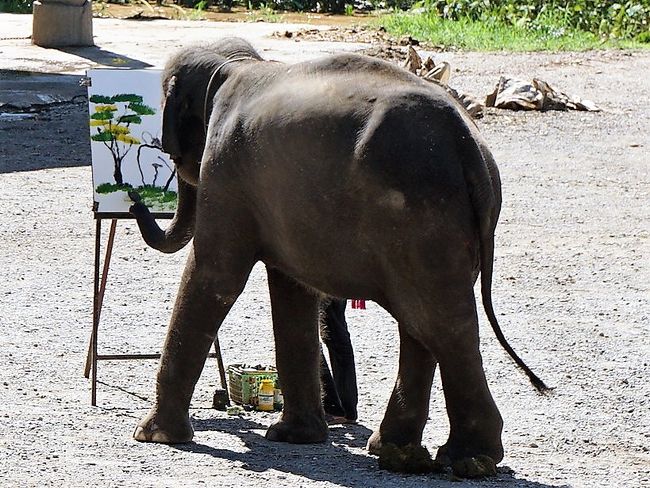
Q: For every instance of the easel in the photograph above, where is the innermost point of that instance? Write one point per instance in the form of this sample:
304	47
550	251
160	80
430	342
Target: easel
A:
99	290
134	109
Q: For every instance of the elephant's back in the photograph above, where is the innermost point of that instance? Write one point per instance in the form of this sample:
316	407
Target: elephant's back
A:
385	135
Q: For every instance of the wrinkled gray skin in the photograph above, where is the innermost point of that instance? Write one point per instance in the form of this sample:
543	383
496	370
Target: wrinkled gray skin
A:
347	177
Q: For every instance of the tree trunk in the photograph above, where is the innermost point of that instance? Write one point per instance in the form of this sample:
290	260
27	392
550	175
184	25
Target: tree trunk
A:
117	174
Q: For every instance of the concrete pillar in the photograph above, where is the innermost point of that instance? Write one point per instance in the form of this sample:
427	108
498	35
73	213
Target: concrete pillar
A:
62	23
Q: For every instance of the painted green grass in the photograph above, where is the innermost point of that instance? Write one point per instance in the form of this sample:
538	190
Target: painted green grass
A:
495	35
156	194
152	196
105	188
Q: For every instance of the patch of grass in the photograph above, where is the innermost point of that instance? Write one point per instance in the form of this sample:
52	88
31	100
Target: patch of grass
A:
195	14
181	13
264	13
494	34
644	37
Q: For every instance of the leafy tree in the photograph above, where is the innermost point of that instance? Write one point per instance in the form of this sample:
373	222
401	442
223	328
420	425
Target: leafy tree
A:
113	117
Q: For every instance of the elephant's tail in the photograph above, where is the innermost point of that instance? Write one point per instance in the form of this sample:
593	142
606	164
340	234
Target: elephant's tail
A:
487	257
482	178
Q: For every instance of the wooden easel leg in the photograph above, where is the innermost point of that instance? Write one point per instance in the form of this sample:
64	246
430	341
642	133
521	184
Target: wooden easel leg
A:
98	300
222	370
89	355
221	398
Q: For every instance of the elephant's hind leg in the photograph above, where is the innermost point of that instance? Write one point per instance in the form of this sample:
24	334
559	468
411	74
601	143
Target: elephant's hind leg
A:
408	406
295	325
205	296
448	335
474	445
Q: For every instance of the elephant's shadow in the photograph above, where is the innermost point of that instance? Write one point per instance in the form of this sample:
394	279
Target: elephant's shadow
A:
332	461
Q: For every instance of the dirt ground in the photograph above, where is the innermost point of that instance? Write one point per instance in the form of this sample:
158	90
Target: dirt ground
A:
570	288
142	11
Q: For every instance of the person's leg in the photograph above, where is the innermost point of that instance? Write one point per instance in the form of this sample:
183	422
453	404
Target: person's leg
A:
330	397
335	335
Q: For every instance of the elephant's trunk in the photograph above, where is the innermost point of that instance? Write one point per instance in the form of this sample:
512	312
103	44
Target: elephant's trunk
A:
181	229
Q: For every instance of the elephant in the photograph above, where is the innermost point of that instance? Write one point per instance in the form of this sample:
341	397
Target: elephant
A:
346	176
339	387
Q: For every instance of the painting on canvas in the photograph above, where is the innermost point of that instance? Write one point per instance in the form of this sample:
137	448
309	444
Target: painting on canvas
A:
125	135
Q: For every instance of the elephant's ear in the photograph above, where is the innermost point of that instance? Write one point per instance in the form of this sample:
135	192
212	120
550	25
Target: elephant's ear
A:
171	107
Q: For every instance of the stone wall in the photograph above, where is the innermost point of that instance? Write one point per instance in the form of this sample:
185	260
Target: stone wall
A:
62	23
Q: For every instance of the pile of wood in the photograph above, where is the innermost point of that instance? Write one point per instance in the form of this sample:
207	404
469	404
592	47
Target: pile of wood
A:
514	94
440	74
509	93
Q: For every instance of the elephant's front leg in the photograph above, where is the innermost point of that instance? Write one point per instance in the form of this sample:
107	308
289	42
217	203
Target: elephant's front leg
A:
204	298
295	326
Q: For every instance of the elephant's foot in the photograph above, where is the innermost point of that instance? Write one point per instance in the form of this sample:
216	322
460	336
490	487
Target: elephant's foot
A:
374	443
412	459
469	466
299	431
454	450
381	438
474	467
164	429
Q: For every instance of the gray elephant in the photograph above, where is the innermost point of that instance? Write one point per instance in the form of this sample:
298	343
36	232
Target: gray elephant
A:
347	177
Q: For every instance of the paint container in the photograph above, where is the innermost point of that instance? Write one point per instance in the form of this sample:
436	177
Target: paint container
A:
265	396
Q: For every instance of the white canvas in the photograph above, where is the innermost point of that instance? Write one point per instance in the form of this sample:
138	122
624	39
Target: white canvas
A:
125	130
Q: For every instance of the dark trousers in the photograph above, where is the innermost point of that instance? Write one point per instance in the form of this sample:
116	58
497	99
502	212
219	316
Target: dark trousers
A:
340	394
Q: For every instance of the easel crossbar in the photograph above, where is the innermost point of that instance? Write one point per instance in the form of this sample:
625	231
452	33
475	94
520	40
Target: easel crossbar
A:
126	357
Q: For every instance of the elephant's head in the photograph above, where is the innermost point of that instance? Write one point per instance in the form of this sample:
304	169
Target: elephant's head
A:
190	80
183	127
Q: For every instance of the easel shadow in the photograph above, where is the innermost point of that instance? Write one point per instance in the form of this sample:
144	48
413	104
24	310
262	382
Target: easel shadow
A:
106	58
329	462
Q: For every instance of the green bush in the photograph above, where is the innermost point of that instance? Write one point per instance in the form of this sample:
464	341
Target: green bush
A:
16	6
628	19
624	19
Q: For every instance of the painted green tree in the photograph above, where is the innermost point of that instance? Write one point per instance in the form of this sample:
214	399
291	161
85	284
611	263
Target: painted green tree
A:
113	118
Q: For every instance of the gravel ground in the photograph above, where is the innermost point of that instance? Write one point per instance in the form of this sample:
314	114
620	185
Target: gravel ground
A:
570	286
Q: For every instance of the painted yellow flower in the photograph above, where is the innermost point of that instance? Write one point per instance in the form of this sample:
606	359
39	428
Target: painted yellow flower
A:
100	123
105	108
120	129
127	139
